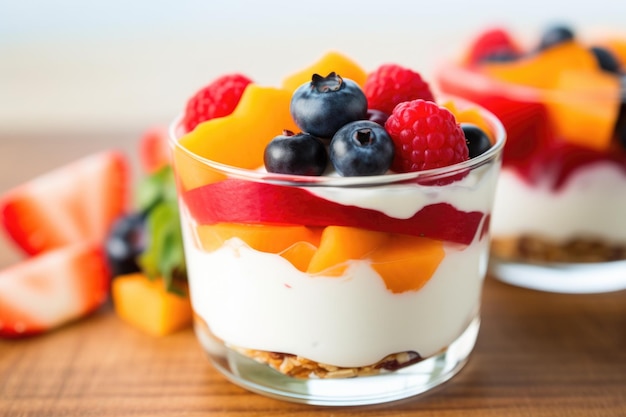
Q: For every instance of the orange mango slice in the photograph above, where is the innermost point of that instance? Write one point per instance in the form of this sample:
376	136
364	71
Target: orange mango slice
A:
585	107
146	305
541	70
331	61
237	140
406	262
340	244
264	238
300	254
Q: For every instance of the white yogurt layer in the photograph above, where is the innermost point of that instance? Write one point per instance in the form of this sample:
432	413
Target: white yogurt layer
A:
592	203
260	301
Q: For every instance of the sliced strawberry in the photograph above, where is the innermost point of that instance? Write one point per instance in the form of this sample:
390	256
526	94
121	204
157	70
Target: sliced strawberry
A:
73	203
154	152
240	201
52	289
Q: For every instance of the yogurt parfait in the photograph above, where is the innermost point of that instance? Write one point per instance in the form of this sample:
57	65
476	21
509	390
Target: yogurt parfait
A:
557	223
336	230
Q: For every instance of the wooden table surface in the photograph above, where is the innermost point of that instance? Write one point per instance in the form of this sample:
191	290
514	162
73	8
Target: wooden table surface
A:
538	354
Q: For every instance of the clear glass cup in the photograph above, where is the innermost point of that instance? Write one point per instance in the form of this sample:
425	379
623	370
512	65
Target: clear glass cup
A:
337	291
558	222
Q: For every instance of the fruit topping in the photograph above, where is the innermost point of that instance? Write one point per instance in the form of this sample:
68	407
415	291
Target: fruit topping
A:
330	62
325	104
237	140
606	59
240	201
154	151
361	148
477	140
52	289
217	99
555	35
377	116
391	84
493	45
426	136
76	202
296	154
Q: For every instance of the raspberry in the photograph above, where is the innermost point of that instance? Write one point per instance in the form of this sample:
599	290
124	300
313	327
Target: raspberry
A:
392	84
493	45
425	136
217	99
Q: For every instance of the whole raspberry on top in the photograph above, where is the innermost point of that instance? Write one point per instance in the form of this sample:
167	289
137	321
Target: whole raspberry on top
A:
391	84
425	136
493	45
217	99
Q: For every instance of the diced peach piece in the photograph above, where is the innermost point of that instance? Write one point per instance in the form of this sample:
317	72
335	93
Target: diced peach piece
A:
237	140
469	115
330	62
300	255
585	107
542	69
148	306
264	238
340	244
406	263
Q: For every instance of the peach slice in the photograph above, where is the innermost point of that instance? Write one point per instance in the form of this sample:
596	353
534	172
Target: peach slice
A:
406	263
331	61
584	108
264	238
340	244
237	140
542	70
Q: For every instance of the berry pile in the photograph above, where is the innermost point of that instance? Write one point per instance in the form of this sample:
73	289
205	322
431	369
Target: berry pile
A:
392	123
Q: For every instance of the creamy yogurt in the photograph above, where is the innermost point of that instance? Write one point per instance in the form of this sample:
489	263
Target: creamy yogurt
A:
591	203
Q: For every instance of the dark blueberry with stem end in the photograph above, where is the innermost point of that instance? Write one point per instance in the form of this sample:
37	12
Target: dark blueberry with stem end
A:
295	154
325	104
361	148
477	140
377	116
555	35
125	242
606	59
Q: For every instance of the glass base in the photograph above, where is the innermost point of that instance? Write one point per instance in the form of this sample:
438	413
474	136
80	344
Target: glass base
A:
581	278
384	387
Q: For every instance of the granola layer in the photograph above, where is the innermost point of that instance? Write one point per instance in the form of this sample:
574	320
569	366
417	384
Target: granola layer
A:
538	249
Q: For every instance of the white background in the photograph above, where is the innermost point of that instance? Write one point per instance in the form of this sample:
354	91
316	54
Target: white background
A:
79	64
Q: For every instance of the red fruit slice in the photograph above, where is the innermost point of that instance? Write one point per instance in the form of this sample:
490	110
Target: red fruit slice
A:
73	203
154	152
239	201
52	289
556	164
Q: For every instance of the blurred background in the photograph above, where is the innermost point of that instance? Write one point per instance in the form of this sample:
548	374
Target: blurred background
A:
75	65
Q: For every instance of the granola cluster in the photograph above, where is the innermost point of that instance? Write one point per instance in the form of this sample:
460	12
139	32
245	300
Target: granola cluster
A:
299	367
531	248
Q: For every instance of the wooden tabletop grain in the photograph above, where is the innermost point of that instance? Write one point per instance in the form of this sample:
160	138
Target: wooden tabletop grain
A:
538	354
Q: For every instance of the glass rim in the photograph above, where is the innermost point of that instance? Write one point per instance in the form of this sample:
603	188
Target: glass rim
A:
425	176
454	72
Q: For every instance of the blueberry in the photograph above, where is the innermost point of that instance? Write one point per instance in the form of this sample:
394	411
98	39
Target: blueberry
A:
503	55
125	242
361	148
606	60
555	35
477	140
325	104
301	154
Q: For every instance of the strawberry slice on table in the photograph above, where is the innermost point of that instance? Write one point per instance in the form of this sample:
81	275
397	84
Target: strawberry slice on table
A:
73	203
49	290
154	151
239	201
